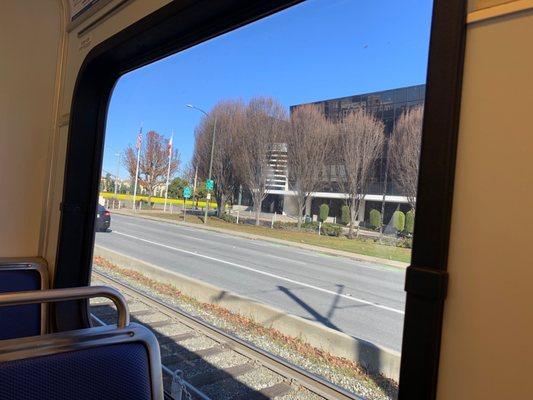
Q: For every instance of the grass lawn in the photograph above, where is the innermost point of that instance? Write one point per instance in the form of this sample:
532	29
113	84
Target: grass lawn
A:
359	246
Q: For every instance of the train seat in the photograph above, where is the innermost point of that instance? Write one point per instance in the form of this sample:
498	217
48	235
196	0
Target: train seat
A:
109	362
22	274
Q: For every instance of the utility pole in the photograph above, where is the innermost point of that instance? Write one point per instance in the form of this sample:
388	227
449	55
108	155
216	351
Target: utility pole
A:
116	176
210	160
194	185
211	169
168	170
138	144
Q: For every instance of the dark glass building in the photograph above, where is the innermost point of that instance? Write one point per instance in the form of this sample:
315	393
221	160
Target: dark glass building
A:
386	105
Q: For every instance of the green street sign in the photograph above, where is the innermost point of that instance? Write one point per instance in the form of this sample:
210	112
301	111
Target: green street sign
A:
209	184
187	192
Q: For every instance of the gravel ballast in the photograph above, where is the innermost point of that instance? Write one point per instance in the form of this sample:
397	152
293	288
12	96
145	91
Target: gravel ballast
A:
338	371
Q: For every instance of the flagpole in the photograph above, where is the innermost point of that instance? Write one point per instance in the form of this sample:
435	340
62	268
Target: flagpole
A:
168	170
139	142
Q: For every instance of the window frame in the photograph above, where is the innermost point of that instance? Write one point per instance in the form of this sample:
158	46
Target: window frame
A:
181	25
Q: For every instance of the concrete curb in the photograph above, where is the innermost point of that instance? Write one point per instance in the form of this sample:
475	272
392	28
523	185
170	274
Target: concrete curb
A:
325	250
374	358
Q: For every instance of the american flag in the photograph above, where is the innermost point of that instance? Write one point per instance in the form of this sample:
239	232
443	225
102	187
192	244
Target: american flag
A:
170	146
139	140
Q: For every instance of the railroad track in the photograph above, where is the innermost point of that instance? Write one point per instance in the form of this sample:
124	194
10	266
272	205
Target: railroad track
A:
215	364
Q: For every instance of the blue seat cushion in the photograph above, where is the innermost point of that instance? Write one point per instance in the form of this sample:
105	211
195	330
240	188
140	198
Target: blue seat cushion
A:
20	321
110	372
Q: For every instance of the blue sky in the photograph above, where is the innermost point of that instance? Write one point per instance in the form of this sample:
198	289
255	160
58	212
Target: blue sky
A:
317	50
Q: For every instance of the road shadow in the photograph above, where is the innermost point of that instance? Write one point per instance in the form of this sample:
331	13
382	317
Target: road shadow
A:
370	354
323	319
224	295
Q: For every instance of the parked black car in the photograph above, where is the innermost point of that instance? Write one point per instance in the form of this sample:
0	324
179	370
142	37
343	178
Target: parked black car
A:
103	219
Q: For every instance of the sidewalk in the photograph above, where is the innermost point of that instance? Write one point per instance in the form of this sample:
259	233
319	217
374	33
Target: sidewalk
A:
324	250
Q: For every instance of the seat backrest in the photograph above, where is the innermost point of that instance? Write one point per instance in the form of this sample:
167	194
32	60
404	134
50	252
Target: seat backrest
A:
22	274
121	367
103	363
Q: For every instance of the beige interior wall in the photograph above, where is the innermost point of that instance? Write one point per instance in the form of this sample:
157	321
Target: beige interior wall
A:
78	45
487	347
29	46
35	97
474	5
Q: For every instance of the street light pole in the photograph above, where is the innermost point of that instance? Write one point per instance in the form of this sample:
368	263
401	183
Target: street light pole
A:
194	185
212	146
116	176
211	158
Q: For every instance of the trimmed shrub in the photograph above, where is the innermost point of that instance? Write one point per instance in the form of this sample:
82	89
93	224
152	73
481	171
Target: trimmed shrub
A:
327	229
405	242
311	226
398	220
331	229
410	222
323	213
345	215
228	218
375	218
284	225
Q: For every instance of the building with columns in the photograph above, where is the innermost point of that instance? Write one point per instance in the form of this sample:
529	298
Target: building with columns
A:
386	105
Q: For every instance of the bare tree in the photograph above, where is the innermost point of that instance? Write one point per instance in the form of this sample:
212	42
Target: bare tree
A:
229	120
187	172
385	183
360	142
307	151
153	163
404	152
265	120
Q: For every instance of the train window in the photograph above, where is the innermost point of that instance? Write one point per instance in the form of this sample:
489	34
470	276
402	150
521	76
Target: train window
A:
268	186
258	196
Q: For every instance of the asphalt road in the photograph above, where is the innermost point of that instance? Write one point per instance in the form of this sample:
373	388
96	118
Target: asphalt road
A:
364	300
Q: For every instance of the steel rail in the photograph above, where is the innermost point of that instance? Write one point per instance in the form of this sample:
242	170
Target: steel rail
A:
276	364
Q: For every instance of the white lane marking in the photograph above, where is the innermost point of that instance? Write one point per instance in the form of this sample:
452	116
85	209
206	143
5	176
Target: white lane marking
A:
155	231
370	303
258	242
187	236
285	259
226	244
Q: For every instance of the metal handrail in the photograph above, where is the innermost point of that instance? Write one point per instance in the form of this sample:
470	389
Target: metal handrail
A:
78	293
